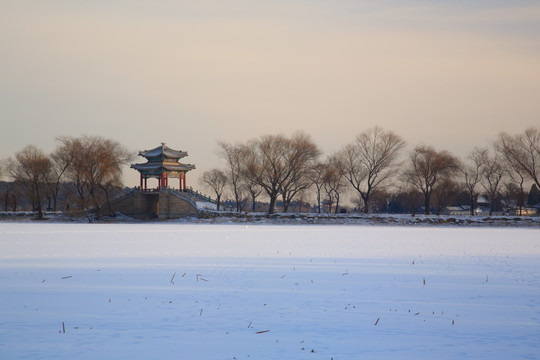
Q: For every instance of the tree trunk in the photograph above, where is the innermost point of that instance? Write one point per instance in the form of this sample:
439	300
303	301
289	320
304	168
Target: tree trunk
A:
472	205
80	191
39	209
521	197
55	193
426	203
237	199
108	201
14	202
285	204
253	202
218	199
6	200
366	203
272	206
94	200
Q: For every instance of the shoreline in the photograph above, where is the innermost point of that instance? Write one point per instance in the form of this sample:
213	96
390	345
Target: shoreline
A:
291	219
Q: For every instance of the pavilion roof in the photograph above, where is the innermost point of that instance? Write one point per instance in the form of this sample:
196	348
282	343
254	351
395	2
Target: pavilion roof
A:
163	151
155	166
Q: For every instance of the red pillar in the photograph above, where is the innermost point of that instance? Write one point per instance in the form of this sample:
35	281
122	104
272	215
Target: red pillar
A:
145	184
141	182
184	178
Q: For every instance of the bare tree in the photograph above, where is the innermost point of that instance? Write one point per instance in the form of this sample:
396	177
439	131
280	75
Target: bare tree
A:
370	160
5	199
13	192
533	197
316	176
426	168
513	191
522	162
301	157
264	165
412	199
60	160
216	180
76	170
472	175
280	165
233	155
95	165
104	161
492	174
444	194
249	183
301	201
253	189
380	201
334	182
31	168
522	151
516	185
405	199
328	186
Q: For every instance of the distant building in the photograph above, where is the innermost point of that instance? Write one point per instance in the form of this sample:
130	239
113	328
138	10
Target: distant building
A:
163	201
461	210
162	164
525	211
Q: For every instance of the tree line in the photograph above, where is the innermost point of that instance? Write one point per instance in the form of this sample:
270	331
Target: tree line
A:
375	169
284	171
85	170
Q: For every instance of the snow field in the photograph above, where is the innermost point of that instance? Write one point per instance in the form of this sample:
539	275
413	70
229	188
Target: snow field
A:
267	292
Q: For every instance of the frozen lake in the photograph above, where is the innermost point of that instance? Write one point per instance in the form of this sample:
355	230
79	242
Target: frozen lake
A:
178	291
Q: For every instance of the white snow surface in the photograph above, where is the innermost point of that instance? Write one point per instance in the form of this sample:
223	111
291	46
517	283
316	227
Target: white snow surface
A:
205	205
195	291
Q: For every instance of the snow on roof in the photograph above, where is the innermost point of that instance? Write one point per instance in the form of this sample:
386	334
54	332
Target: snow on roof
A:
163	150
158	165
482	200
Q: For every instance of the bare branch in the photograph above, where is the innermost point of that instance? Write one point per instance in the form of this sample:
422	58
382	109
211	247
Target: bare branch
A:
370	161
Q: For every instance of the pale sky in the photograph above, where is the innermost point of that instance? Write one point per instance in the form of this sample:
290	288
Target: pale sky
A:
451	74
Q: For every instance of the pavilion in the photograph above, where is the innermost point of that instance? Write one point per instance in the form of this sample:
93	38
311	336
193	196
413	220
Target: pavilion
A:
162	164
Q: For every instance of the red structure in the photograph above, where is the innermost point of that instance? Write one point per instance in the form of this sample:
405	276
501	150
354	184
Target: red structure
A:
162	164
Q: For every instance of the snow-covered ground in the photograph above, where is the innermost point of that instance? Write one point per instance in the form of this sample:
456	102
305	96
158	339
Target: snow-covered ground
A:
205	205
196	291
210	216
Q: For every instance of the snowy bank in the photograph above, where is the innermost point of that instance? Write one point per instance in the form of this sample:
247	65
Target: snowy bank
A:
365	219
209	216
